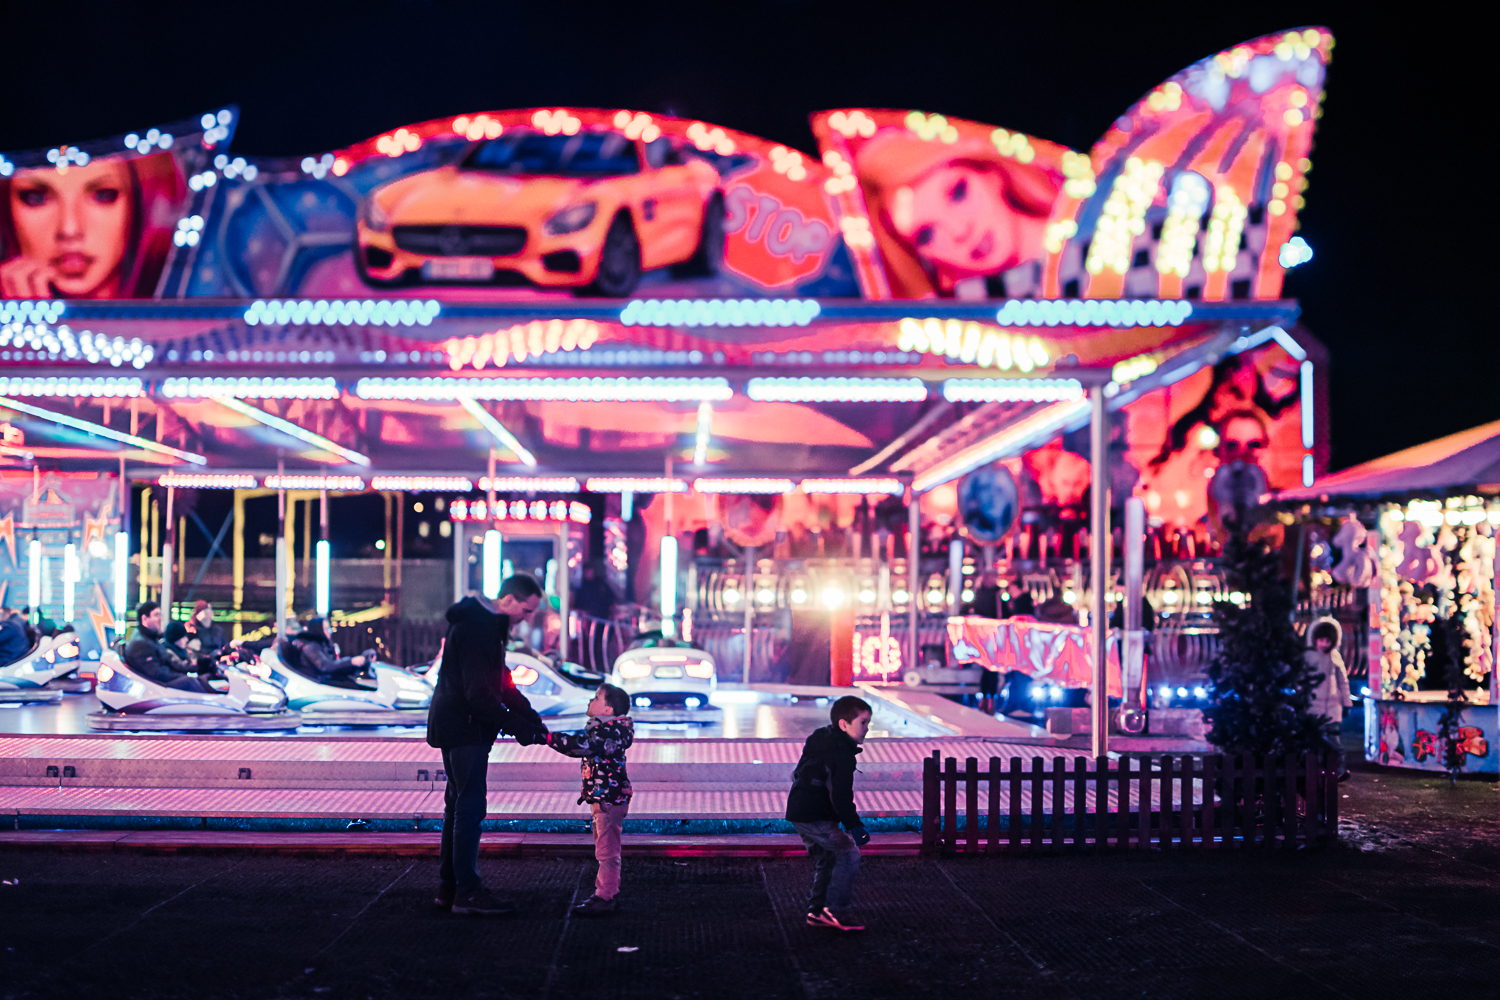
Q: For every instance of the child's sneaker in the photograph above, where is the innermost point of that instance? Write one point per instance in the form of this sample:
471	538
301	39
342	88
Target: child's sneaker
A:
594	906
829	919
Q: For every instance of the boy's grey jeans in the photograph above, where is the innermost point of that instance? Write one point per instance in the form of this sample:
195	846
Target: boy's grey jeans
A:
835	863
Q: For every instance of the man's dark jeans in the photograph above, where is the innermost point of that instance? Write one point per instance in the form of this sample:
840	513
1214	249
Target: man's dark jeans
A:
464	806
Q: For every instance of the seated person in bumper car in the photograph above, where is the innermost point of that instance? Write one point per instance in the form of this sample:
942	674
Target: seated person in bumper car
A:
149	654
320	655
14	642
204	636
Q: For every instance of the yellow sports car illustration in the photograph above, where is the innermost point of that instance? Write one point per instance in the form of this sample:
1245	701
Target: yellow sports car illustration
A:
591	211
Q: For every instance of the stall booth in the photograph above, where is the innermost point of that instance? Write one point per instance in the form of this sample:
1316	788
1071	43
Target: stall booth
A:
764	392
1415	533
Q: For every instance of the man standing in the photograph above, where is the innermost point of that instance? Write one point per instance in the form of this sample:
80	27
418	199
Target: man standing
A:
474	702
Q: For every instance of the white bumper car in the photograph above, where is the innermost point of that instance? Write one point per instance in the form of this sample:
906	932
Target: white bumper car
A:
382	695
668	680
240	701
26	679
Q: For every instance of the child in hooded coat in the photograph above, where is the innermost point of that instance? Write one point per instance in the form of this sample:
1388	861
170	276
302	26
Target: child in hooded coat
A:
1331	696
606	786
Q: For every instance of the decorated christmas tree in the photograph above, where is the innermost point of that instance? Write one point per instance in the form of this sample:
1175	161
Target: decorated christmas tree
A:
1262	686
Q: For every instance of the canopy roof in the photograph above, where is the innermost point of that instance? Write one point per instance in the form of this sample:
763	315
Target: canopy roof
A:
1468	460
801	388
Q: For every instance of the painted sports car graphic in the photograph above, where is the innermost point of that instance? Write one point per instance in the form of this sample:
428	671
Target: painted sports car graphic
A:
589	210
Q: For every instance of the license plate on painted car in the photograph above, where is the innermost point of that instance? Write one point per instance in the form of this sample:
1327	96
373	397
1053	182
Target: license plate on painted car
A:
459	269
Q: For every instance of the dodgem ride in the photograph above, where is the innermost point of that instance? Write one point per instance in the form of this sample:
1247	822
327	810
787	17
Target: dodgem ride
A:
590	210
668	680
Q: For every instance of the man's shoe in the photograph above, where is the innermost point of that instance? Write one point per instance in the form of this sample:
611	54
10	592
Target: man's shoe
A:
482	904
1346	776
594	907
444	898
829	919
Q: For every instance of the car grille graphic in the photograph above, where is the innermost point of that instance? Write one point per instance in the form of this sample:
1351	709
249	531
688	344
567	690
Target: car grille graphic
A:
461	241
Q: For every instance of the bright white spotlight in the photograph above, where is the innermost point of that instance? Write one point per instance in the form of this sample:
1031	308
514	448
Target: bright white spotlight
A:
324	578
668	583
491	578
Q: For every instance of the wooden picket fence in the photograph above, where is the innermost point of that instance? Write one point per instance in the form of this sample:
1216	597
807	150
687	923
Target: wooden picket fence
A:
1130	802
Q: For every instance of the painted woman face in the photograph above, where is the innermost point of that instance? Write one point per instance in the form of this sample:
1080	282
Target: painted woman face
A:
957	218
73	227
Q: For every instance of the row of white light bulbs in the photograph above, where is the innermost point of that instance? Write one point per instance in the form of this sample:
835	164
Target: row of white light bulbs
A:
1094	312
189	231
720	312
88	346
382	312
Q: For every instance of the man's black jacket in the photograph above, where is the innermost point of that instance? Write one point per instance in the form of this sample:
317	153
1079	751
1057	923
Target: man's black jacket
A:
823	784
475	698
149	655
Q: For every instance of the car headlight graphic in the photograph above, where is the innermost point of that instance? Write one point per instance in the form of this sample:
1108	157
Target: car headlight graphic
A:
571	219
375	216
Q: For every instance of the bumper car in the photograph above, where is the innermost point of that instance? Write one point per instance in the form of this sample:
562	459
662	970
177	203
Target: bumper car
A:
668	680
559	691
26	680
240	701
381	695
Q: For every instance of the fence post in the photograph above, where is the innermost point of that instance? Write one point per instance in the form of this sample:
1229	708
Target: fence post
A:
971	805
1015	803
1209	815
1059	802
1080	802
1164	811
1038	804
992	835
950	804
1101	802
1186	815
930	803
1122	803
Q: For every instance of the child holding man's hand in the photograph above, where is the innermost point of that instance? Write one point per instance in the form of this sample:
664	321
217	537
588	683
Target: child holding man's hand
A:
606	787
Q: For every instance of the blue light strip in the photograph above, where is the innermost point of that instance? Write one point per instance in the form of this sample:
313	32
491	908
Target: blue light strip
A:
287	427
322	312
1307	404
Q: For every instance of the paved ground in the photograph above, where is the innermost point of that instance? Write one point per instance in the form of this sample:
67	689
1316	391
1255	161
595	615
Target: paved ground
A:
1408	906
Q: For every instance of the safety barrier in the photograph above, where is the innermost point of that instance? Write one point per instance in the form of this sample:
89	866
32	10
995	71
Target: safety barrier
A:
1129	803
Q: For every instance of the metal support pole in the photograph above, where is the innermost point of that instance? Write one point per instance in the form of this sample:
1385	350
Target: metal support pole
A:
1133	651
289	529
956	577
564	590
460	562
748	596
237	570
1099	575
400	557
167	551
282	555
386	552
913	581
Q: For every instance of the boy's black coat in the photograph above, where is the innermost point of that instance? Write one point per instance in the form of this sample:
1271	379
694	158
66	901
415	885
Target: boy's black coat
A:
823	784
475	698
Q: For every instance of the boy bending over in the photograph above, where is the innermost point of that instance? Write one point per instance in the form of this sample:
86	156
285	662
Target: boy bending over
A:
822	797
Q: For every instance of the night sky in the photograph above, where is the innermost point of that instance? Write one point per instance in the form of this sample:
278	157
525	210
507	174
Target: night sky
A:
1392	289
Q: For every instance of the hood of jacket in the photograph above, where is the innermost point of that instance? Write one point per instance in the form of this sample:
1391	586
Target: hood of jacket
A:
620	727
470	610
831	738
1338	632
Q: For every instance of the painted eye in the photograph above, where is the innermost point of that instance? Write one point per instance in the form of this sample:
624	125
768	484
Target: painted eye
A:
959	192
34	197
924	236
107	196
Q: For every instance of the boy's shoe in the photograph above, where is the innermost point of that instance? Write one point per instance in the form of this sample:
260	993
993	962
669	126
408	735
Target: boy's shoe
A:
594	906
482	904
829	919
444	898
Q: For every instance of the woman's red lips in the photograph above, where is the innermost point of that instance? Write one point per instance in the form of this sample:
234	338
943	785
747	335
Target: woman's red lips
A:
73	264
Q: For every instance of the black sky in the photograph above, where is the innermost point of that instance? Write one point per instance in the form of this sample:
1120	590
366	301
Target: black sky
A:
1392	289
